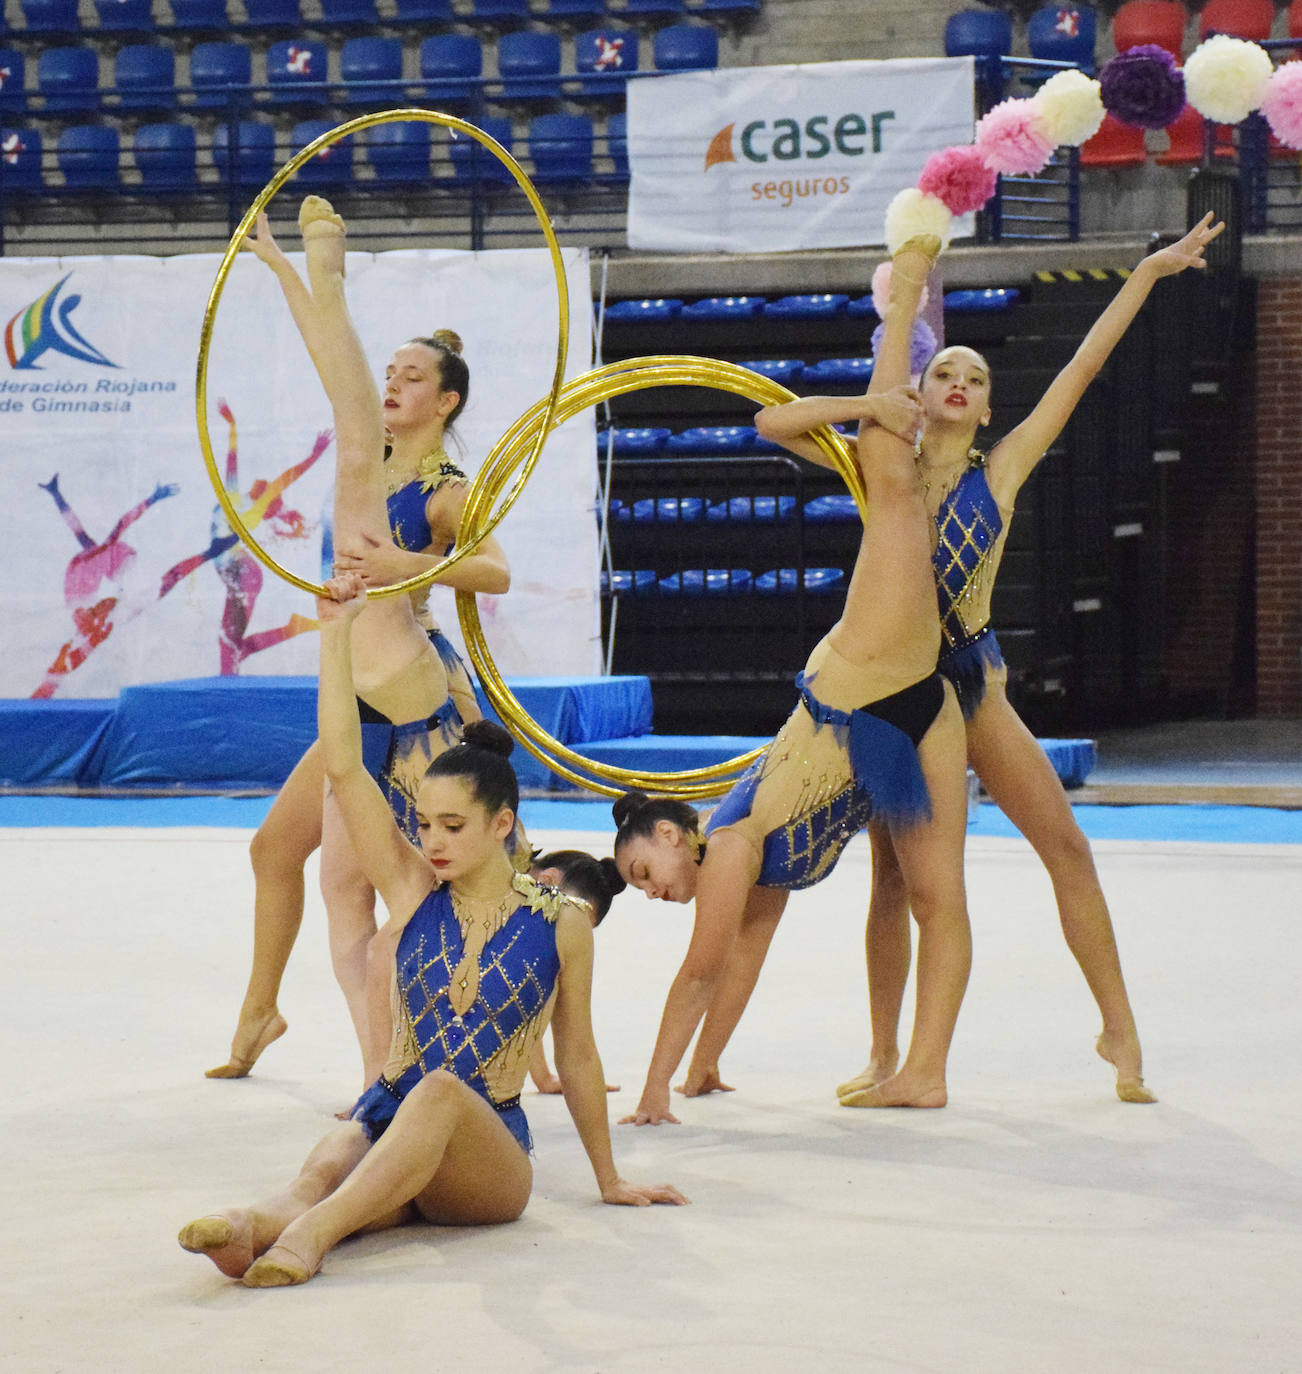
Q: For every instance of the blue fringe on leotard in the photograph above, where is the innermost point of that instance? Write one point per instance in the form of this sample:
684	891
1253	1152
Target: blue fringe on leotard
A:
966	665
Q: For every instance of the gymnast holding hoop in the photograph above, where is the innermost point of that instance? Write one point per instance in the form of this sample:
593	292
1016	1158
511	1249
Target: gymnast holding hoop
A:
970	497
474	961
393	519
876	732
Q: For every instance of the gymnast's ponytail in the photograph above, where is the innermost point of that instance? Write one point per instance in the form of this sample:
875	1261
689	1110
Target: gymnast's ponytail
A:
595	881
483	759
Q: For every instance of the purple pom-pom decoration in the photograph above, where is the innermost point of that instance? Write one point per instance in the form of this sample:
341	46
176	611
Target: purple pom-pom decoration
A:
1143	86
959	178
922	344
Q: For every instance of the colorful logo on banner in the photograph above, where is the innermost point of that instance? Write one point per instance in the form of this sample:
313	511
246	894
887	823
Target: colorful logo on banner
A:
787	140
45	327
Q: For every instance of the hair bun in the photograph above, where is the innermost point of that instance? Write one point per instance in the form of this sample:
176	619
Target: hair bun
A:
610	872
626	806
487	734
449	339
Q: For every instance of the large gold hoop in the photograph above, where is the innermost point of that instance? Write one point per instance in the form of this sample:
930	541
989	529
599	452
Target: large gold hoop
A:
490	521
616	379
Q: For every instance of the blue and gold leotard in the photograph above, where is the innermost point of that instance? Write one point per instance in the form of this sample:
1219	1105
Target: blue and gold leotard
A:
971	531
487	1045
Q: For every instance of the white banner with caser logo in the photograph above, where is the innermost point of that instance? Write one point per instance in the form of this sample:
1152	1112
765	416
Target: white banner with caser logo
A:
122	568
769	159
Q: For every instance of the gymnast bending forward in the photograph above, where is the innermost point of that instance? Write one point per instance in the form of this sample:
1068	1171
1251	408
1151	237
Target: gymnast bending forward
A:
970	497
479	959
398	502
876	733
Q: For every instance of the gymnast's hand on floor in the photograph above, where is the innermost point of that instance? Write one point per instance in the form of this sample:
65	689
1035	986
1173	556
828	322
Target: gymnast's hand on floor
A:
620	1193
346	599
653	1110
378	561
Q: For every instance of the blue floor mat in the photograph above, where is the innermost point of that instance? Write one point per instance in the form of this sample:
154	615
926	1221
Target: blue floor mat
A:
1223	824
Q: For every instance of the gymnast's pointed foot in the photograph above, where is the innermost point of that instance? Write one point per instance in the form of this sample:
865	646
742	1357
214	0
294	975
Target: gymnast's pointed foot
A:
225	1237
323	236
700	1081
252	1036
879	1069
915	258
899	1090
1122	1052
280	1267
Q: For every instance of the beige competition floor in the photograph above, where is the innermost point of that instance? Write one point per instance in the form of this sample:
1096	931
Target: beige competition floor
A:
1037	1224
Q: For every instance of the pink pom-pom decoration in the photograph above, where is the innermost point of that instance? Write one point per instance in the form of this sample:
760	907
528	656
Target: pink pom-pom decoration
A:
1012	138
1282	104
960	178
881	289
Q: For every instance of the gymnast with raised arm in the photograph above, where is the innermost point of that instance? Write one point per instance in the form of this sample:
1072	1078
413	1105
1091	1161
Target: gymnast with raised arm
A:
477	958
398	503
969	496
876	733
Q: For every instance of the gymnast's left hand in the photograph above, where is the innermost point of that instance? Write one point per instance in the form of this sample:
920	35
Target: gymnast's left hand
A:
345	600
652	1110
1188	252
620	1193
378	561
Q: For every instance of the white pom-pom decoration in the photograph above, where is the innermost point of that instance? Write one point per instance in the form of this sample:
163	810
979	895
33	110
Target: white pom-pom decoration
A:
912	213
1071	108
1225	78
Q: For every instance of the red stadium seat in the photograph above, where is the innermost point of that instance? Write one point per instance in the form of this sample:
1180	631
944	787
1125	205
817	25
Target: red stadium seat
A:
1188	136
1115	145
1150	21
1240	18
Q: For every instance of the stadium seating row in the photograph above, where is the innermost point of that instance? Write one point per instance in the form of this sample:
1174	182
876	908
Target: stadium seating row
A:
371	71
137	16
833	509
818	305
88	157
722	582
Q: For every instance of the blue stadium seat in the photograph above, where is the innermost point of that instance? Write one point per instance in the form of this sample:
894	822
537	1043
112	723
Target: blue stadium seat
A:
669	510
125	15
51	16
164	154
650	311
220	64
652	11
296	70
720	439
560	146
728	9
68	78
979	33
861	308
839	372
707	582
451	65
988	302
686	47
617	143
629	581
471	161
500	13
254	157
20	160
198	14
530	66
575	11
330	167
349	12
635	443
1063	33
370	59
144	76
399	152
724	308
426	10
13	80
603	58
88	157
752	510
273	14
786	581
838	509
820	306
787	371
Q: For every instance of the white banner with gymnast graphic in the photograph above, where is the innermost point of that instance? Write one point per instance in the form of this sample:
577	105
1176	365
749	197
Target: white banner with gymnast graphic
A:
769	159
120	566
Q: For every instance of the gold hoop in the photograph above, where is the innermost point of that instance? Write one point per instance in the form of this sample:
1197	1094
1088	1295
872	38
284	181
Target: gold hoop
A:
491	520
635	374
